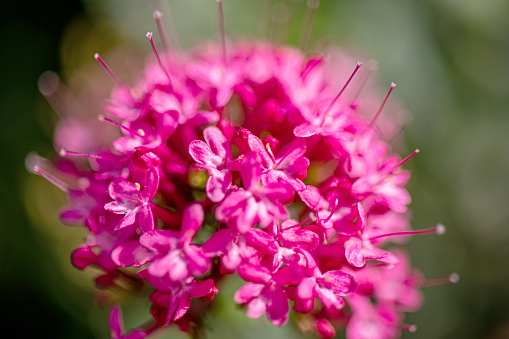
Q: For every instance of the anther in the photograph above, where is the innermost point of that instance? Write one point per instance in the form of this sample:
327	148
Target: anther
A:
149	36
108	70
382	105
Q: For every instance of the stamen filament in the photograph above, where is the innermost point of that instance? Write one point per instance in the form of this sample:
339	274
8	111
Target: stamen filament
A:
103	118
408	157
112	75
382	105
359	64
302	223
452	278
149	36
161	30
307	24
51	178
220	18
438	229
63	153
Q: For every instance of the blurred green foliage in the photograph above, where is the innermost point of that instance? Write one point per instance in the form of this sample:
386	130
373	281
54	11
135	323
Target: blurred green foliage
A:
450	59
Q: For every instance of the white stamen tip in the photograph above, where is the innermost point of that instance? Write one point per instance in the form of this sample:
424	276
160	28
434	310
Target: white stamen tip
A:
454	278
359	63
96	56
412	328
158	15
440	229
393	85
149	35
48	83
100	117
62	152
416	150
32	162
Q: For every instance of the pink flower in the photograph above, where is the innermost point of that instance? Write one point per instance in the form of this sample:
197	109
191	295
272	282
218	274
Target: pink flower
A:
133	201
243	159
257	203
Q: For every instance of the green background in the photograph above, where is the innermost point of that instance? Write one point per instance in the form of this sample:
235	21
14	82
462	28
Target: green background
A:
450	59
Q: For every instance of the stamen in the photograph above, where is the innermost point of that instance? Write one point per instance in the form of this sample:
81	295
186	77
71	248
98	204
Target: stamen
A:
371	67
63	153
439	229
149	36
280	20
307	24
302	223
221	28
412	328
383	104
408	157
359	64
103	118
452	278
59	96
263	19
51	178
112	75
161	30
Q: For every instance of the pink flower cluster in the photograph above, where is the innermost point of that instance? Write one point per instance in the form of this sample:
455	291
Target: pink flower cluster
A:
248	163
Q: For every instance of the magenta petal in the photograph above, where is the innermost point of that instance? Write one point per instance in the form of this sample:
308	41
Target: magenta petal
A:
184	304
191	222
252	273
291	153
340	282
146	219
305	130
199	289
217	142
128	219
261	240
256	308
72	217
160	240
217	244
123	189
151	185
83	256
128	253
305	290
247	292
256	145
137	334
311	197
202	154
353	252
198	263
218	184
115	322
278	308
203	118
